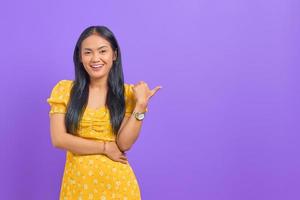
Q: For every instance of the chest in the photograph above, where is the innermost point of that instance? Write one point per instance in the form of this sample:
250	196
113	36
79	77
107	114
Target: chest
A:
96	99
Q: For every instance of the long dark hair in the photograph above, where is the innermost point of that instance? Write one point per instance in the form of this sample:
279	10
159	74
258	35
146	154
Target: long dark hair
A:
80	90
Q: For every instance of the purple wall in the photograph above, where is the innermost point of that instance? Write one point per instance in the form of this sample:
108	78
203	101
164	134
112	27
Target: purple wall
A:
224	126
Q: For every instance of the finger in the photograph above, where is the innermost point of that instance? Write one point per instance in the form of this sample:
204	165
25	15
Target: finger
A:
123	157
123	161
155	90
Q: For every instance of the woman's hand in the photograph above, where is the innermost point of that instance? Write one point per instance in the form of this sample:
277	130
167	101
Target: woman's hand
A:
142	92
113	152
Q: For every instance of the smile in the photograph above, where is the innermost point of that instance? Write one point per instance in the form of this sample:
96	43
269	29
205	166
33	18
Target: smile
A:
96	66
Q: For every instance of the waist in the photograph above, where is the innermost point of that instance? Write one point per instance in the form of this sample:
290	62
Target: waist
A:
97	136
91	160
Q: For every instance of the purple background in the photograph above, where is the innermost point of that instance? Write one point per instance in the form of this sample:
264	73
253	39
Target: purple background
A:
224	126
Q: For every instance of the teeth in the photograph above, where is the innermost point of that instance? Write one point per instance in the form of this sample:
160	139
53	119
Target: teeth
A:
97	66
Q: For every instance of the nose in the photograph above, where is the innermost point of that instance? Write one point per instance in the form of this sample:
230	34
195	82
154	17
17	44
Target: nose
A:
96	57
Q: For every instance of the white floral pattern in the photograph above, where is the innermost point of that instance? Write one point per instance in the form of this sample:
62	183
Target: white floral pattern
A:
94	176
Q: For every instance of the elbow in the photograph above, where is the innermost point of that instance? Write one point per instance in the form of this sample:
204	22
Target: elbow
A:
56	142
123	147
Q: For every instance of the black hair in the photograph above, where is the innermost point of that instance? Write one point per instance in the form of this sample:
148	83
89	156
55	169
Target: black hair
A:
79	94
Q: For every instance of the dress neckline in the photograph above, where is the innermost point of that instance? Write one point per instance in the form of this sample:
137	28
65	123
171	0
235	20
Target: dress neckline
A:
96	109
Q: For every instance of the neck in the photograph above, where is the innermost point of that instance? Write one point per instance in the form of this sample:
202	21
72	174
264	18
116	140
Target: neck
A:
100	84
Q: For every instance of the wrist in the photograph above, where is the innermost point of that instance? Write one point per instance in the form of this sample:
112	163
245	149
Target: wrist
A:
142	102
104	147
141	106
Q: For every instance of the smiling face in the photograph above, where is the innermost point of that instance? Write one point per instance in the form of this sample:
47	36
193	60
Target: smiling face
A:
97	56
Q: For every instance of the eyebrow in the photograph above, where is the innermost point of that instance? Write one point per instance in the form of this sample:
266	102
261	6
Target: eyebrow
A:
97	49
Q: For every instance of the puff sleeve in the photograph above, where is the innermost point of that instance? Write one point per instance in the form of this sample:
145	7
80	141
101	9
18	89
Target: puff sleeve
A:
59	97
130	100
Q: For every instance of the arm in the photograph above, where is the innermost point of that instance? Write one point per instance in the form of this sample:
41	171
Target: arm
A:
63	140
130	129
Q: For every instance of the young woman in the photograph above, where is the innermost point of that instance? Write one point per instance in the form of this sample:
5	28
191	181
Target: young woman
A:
97	118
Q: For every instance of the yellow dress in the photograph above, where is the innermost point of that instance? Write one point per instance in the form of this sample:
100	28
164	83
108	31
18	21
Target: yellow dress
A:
94	176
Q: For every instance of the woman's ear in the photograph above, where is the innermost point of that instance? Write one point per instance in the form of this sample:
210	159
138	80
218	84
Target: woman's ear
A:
115	55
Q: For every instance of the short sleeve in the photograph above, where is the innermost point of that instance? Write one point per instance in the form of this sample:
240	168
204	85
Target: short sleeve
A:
130	100
59	97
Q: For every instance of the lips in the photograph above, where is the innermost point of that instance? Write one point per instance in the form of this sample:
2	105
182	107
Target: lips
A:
97	66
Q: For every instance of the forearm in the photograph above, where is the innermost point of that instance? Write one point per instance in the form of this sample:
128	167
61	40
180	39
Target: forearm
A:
130	132
78	145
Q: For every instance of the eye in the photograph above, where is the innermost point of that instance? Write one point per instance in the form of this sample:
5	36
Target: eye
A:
87	52
102	51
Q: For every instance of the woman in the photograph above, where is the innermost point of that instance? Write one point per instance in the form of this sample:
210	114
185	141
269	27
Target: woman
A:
97	118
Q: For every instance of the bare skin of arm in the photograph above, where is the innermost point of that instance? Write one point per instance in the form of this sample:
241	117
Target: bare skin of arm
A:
130	129
78	145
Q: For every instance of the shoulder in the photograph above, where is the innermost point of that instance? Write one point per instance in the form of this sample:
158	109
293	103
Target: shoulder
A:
64	83
60	92
62	87
128	89
129	94
129	97
128	85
